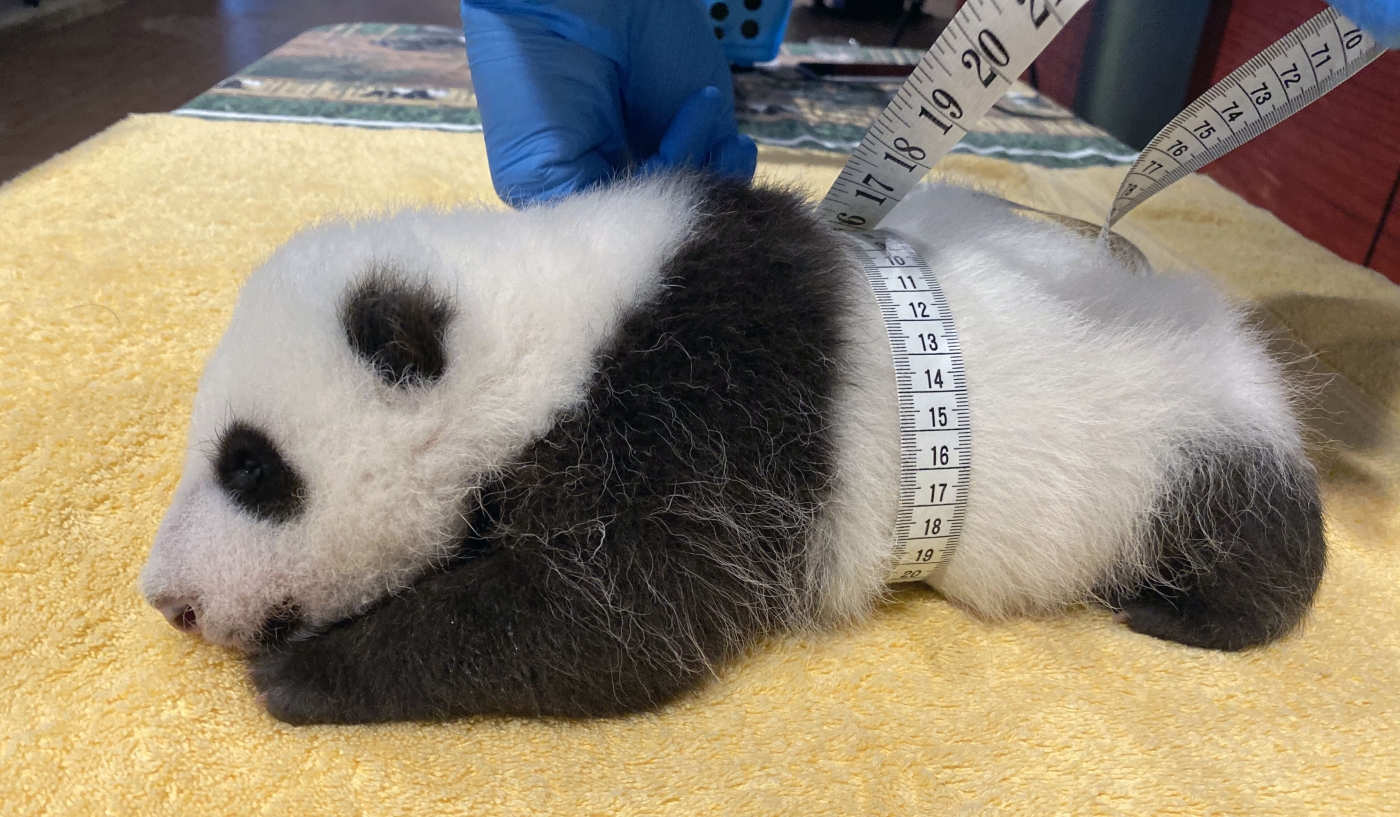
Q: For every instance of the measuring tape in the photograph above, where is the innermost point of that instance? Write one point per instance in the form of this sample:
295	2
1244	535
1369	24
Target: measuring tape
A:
934	424
1291	74
986	46
976	58
989	43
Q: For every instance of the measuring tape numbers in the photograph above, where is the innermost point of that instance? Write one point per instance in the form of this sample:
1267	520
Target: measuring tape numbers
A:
988	44
934	424
1288	76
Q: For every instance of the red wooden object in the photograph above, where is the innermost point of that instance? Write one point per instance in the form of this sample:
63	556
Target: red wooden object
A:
1057	67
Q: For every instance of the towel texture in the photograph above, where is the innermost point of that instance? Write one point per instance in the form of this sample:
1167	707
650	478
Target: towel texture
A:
119	266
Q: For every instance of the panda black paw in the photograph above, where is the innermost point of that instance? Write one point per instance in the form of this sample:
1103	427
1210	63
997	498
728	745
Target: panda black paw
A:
1242	552
322	679
1154	614
350	673
292	694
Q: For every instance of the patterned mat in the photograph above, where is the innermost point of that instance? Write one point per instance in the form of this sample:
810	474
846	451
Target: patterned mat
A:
406	76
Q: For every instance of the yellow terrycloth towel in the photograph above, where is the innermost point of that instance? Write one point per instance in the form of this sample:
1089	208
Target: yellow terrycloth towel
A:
120	263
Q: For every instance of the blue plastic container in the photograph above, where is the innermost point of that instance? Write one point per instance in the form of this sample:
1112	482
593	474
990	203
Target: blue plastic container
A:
750	30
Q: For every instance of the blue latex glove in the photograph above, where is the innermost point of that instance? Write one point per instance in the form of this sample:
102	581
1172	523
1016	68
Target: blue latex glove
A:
574	92
1379	18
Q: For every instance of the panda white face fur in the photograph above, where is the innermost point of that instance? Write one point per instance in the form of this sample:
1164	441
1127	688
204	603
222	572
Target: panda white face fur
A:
366	452
563	460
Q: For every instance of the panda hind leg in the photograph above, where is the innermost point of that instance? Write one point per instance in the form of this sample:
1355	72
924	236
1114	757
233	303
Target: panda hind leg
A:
1239	539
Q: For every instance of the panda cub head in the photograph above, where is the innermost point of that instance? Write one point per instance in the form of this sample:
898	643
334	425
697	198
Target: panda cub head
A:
300	447
373	378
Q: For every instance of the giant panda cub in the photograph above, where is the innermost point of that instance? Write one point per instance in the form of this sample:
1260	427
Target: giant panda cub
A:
566	460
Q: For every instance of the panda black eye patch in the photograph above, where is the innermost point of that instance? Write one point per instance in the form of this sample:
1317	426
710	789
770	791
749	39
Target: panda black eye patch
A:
398	328
255	477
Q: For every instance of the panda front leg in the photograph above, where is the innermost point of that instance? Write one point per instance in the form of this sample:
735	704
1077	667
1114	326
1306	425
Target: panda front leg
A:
501	633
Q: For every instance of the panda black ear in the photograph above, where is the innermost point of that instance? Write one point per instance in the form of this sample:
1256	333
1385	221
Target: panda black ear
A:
398	327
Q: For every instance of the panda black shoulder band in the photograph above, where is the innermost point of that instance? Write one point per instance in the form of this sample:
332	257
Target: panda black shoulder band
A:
934	430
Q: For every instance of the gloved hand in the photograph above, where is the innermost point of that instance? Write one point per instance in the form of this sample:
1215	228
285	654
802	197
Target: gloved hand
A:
1379	18
573	92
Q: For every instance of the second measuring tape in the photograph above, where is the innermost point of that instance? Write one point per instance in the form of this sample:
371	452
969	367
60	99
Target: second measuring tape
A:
934	421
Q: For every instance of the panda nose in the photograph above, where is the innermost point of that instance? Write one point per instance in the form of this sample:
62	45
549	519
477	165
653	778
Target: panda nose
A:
181	615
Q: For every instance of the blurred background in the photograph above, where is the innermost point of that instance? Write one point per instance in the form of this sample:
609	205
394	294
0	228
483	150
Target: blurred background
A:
69	68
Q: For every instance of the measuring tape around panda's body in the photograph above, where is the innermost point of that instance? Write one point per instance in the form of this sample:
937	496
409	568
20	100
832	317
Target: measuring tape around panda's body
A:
934	423
988	44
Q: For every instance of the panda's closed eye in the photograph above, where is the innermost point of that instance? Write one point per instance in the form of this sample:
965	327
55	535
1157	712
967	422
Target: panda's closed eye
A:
254	475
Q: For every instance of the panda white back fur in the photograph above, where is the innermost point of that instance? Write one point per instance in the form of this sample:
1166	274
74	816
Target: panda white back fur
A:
563	460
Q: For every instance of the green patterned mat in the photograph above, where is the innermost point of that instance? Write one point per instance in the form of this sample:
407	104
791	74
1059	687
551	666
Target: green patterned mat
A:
405	76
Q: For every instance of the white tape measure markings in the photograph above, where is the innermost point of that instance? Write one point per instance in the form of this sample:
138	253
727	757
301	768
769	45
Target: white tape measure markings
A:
988	44
934	421
1287	77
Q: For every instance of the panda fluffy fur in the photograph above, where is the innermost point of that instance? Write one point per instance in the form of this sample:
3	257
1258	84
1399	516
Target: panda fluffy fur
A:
566	460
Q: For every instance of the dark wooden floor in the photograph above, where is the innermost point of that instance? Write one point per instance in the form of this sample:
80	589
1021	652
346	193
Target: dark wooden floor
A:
144	56
60	87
